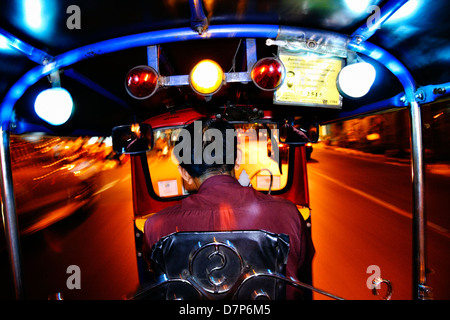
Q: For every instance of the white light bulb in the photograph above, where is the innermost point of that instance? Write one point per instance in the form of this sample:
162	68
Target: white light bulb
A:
356	79
54	106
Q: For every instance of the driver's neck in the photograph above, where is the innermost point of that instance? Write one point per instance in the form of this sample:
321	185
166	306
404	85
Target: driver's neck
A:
198	181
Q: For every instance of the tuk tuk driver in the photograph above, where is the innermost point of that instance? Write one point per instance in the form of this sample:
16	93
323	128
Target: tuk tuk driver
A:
222	204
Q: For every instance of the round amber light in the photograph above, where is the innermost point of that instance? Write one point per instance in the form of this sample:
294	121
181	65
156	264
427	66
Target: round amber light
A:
206	77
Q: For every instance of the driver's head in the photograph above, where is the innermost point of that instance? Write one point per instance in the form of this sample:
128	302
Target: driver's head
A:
206	148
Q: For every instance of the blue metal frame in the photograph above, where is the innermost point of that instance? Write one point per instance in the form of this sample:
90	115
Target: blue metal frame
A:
122	43
31	52
185	34
425	94
391	63
395	101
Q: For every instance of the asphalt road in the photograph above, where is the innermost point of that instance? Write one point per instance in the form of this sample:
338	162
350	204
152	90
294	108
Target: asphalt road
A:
99	240
360	218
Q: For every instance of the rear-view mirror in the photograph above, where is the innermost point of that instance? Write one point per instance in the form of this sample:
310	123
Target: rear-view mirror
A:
132	139
292	135
313	132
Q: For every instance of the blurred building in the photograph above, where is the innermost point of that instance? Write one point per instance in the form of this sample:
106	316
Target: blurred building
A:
388	132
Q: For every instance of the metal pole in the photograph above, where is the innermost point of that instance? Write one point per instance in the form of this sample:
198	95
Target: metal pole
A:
9	213
199	22
420	290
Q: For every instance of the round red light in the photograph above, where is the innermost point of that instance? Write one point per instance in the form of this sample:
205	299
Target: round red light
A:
268	73
141	82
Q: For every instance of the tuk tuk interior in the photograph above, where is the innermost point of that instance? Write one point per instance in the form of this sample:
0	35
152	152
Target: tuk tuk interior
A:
404	41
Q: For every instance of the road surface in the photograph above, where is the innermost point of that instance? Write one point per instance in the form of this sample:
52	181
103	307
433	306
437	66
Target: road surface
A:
360	218
100	241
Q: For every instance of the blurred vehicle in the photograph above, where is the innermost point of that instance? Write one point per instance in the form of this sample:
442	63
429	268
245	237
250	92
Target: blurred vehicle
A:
53	179
309	150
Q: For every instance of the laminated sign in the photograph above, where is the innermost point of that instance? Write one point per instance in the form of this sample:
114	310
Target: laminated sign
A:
310	80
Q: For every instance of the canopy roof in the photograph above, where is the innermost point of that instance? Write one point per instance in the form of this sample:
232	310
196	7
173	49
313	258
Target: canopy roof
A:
419	40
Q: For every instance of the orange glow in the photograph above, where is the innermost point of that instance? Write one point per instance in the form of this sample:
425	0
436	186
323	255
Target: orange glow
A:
136	129
140	222
438	115
304	211
74	156
373	136
66	167
206	77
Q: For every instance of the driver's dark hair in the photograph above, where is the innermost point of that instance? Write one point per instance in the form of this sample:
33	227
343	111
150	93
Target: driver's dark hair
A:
199	169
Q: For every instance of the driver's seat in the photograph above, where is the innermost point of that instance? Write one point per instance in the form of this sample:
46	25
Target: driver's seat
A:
242	265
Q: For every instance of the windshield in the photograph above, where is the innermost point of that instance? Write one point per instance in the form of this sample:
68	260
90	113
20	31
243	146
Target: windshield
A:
256	143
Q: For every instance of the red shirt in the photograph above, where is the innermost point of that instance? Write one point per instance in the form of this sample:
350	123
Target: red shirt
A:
222	204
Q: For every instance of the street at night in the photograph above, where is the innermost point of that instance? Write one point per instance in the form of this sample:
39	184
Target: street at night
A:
124	124
361	217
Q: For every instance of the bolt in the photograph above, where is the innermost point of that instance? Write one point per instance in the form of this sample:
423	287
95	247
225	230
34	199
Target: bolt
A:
419	95
403	99
358	39
311	44
439	90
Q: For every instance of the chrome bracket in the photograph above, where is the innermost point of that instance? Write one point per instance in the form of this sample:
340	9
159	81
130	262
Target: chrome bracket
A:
376	284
